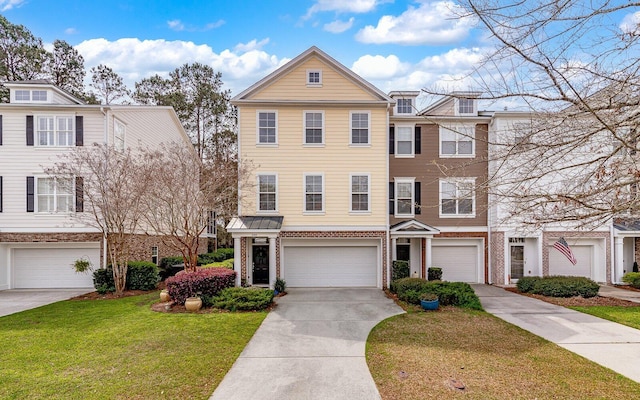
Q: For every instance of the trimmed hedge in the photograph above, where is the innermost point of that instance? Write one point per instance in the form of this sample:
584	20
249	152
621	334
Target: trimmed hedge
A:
243	299
203	282
399	270
434	273
632	278
217	256
141	275
457	294
222	264
559	286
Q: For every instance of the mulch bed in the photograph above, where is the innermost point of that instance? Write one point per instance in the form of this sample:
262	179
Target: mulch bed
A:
579	301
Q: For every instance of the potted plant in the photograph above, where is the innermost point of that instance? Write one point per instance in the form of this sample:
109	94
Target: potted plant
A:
429	301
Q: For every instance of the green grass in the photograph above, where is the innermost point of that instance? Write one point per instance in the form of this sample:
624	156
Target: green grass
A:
629	316
415	356
118	349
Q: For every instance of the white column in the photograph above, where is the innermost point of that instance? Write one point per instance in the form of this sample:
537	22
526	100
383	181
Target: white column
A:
393	249
237	260
272	261
427	256
619	256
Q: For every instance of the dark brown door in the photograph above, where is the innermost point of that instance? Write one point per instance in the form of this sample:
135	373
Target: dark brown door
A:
260	265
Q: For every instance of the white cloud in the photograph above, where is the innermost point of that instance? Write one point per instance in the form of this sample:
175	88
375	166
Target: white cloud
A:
9	4
430	23
135	59
70	31
631	24
379	67
175	25
339	26
342	6
252	45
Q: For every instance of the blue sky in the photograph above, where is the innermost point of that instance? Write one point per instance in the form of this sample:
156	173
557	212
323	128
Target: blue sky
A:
396	45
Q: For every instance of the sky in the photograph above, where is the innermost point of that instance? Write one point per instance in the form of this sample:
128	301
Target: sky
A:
394	44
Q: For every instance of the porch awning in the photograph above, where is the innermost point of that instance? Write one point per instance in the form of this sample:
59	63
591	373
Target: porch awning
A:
255	224
627	227
412	228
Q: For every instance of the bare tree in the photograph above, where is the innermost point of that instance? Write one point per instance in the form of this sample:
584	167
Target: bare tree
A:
574	65
185	189
113	183
108	84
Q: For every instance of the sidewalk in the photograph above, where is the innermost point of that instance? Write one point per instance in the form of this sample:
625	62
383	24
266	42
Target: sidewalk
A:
609	344
617	293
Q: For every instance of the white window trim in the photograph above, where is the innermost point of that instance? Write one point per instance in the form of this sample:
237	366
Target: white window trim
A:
412	181
154	254
258	143
368	210
412	128
457	129
258	210
36	195
36	135
46	95
15	95
473	198
413	106
117	122
304	194
368	112
313	84
457	107
304	128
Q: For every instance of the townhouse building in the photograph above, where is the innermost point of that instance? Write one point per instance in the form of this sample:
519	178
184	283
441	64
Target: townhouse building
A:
41	232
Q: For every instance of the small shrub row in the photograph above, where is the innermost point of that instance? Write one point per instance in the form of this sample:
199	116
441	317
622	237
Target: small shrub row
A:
399	270
206	283
217	256
243	299
559	286
141	275
222	264
457	294
632	278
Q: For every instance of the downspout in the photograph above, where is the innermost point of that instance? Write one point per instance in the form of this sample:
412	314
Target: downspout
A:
613	254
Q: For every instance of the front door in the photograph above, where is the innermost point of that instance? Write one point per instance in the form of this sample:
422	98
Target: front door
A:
517	262
260	264
403	252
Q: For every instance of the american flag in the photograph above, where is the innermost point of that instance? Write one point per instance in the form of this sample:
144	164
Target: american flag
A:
562	246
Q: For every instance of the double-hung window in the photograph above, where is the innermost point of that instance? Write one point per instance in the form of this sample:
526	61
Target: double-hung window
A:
360	127
267	192
465	106
360	193
313	127
457	141
55	131
119	131
54	195
404	136
313	193
457	198
267	127
404	106
404	197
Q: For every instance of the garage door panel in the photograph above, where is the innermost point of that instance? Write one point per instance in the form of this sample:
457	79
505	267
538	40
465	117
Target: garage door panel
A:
330	266
51	267
458	263
560	265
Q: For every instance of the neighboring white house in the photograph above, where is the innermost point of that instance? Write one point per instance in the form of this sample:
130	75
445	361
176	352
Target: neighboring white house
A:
40	234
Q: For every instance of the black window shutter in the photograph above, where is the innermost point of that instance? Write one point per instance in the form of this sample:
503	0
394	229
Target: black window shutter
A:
392	139
29	130
79	130
416	196
0	194
30	194
391	199
418	141
79	194
0	130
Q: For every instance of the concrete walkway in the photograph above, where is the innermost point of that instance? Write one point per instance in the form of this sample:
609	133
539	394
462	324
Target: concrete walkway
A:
612	345
16	300
312	346
612	291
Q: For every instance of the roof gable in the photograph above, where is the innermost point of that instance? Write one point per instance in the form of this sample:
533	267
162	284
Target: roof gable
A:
289	83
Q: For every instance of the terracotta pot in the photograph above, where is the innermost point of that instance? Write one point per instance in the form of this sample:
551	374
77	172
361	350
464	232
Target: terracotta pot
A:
193	303
164	296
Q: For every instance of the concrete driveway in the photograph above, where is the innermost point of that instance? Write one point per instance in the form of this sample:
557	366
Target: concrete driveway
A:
607	343
312	346
16	300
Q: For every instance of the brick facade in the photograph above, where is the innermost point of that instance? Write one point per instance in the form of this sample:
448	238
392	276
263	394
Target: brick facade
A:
497	258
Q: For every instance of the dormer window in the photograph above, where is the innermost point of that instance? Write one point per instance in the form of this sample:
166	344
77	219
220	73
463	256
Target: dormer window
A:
465	106
39	95
405	106
30	96
314	77
23	95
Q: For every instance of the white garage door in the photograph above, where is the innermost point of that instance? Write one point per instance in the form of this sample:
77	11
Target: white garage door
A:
52	267
458	263
330	266
560	265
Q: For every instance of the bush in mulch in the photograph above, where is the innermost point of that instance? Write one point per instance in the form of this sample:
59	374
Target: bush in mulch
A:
206	283
559	286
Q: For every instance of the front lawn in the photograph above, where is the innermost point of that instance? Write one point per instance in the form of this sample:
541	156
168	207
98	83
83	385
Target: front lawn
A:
629	316
418	354
118	349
